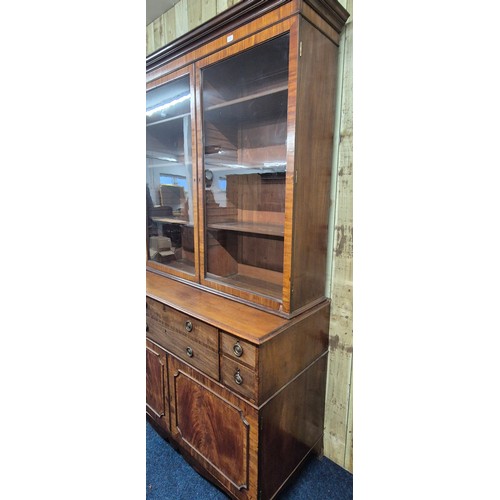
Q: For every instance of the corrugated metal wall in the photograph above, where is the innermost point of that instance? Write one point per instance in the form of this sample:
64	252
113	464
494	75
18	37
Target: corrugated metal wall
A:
338	443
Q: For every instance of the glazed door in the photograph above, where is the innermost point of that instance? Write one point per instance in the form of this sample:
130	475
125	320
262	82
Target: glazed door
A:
170	176
246	114
157	400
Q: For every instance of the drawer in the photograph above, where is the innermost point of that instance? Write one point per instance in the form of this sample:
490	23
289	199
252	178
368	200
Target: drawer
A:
194	354
238	350
191	340
239	378
175	321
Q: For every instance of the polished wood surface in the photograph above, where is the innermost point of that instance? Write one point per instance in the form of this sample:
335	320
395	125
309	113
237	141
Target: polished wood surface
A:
323	12
249	383
239	378
168	318
248	14
217	429
292	426
241	320
313	147
157	396
199	345
237	357
287	354
230	344
297	232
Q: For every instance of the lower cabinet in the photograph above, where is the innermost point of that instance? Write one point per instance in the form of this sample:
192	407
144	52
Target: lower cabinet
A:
157	400
246	414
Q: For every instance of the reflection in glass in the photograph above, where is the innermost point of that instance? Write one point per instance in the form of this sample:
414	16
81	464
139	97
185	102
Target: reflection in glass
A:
244	100
169	189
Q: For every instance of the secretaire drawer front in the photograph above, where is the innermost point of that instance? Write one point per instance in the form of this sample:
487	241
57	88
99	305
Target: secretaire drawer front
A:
238	350
239	378
184	324
191	340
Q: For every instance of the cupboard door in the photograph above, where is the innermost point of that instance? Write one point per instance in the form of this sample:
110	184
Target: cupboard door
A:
245	127
218	428
170	180
157	401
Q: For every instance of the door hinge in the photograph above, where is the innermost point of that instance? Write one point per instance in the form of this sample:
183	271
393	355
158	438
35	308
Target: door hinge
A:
300	49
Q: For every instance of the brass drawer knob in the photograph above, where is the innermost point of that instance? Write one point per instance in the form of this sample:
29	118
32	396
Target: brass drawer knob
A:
238	350
189	352
237	377
189	326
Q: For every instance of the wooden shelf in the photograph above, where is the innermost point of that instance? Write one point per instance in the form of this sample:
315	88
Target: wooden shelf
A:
252	284
250	227
181	265
254	109
264	93
170	220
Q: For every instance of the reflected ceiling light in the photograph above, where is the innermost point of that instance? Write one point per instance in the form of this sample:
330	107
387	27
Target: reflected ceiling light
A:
168	104
162	158
271	164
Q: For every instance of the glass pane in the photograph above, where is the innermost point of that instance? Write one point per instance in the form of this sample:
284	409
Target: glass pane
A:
245	130
169	187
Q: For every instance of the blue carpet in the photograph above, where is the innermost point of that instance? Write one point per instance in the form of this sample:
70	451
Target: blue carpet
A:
170	477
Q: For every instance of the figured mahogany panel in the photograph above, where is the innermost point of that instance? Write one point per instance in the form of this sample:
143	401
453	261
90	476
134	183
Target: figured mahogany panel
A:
156	385
216	428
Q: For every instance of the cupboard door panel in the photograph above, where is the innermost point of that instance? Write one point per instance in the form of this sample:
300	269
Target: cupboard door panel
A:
157	385
214	428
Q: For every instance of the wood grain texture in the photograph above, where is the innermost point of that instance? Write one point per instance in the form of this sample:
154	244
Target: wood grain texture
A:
290	166
286	355
330	11
338	445
248	380
157	393
313	164
292	425
248	351
195	48
199	345
338	434
320	23
202	408
238	319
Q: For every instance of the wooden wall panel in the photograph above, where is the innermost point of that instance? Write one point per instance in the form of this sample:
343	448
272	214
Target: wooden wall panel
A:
338	410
